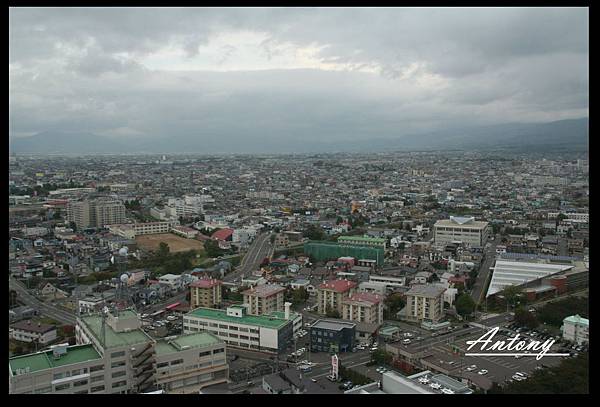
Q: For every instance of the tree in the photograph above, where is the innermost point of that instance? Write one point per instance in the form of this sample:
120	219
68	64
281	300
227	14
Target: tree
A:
212	248
380	356
314	232
163	250
525	318
332	313
393	303
511	293
465	305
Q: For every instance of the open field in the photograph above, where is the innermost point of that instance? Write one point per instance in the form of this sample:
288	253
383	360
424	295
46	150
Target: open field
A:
176	243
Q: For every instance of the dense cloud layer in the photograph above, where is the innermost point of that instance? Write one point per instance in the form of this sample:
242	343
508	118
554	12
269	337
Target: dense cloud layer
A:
255	75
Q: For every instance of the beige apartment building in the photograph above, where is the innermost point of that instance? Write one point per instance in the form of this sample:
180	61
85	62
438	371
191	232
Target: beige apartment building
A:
205	293
97	212
264	299
331	294
363	307
425	303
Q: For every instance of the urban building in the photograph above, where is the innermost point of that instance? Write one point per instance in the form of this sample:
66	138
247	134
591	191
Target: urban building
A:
331	294
420	383
205	293
29	331
363	241
264	299
424	303
576	329
322	251
97	212
269	333
114	355
332	336
363	307
461	229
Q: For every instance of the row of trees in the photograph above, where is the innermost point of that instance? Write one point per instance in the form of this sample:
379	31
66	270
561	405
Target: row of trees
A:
570	377
553	313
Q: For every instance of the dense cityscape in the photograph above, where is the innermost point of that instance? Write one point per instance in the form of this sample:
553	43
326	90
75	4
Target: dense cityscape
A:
311	255
303	200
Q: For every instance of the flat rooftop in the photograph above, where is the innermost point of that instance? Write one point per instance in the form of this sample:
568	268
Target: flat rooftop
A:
114	339
377	240
184	342
265	321
264	290
333	325
45	360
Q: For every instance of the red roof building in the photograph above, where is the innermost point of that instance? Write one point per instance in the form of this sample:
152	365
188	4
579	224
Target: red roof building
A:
223	234
339	286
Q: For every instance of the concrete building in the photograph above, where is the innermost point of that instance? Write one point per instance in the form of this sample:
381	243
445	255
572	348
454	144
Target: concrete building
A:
421	383
205	293
363	241
363	307
266	333
424	303
172	281
28	331
576	329
462	229
332	336
97	212
264	299
114	355
184	231
331	293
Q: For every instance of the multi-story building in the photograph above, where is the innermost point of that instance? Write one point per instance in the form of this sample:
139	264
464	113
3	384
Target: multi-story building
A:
97	212
363	307
425	303
576	329
269	333
205	293
131	230
332	336
114	355
331	293
461	229
264	299
28	331
363	241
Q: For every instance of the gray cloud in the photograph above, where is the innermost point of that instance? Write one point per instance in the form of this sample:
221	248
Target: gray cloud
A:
80	69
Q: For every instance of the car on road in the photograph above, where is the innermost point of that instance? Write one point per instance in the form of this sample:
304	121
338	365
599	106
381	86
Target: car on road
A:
406	341
482	372
331	378
471	368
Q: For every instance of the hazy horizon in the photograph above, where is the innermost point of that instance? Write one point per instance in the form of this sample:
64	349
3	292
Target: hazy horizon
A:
251	78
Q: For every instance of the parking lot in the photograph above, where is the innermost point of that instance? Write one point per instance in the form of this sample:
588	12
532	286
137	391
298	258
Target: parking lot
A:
162	325
496	368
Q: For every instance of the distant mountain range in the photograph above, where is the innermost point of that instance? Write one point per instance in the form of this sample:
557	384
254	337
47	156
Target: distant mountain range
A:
571	135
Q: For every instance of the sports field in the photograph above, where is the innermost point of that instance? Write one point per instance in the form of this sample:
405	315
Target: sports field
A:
176	243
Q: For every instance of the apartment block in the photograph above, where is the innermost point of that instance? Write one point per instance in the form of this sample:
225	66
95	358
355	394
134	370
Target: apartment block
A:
205	293
425	303
264	299
331	294
363	307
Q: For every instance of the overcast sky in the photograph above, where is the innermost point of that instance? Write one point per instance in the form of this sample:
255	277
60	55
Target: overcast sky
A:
271	74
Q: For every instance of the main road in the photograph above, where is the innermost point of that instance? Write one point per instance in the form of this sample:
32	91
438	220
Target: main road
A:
51	311
258	250
484	274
